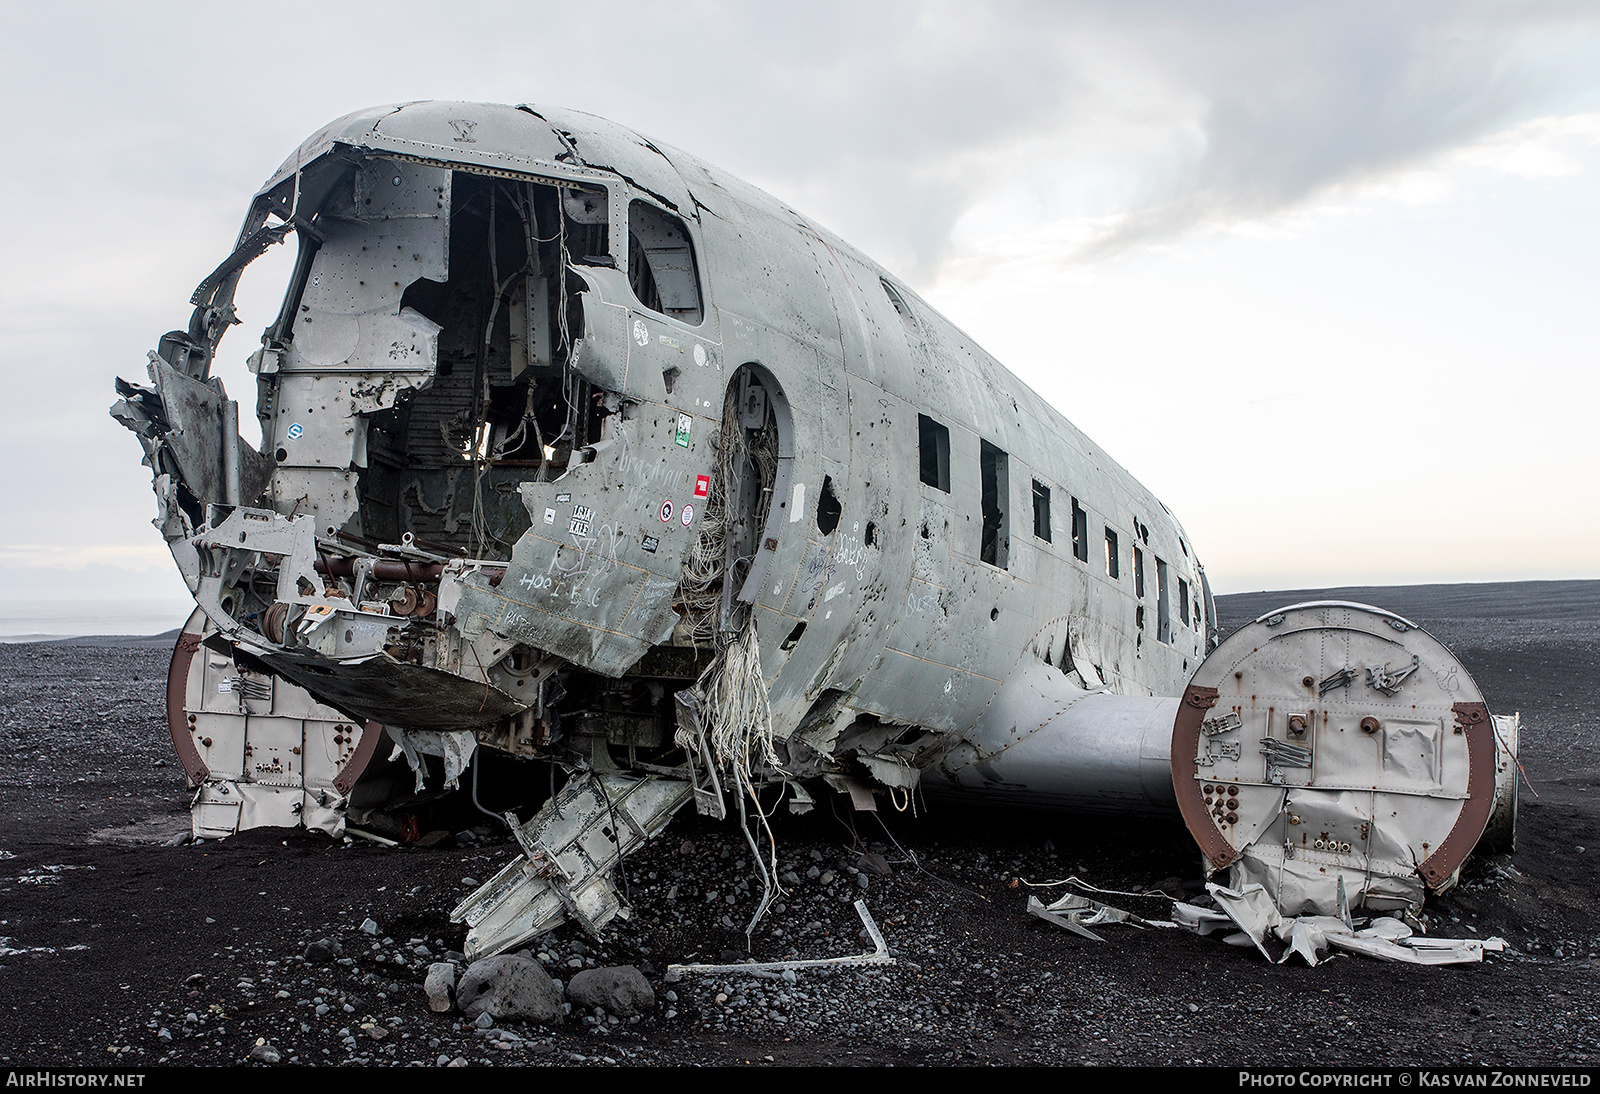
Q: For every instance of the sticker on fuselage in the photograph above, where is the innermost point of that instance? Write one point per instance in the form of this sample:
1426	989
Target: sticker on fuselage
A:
563	497
666	511
295	430
649	543
685	423
688	515
700	355
549	516
702	485
581	517
641	334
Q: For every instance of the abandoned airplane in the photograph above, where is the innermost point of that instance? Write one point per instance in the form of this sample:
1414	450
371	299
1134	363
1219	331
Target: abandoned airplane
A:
577	450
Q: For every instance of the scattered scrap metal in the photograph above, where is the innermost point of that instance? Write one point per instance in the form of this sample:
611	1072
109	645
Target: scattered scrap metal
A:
1248	917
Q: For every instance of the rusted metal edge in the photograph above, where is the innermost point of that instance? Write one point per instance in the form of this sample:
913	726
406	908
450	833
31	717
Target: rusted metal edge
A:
177	691
371	734
1197	699
1472	719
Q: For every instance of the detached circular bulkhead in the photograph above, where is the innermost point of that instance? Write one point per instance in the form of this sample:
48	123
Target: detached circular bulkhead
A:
1332	741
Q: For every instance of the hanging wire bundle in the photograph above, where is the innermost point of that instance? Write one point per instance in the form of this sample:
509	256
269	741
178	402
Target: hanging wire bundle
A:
700	591
735	725
736	729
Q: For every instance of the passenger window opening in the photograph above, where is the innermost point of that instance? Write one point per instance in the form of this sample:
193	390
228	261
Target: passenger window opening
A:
996	545
661	264
1080	532
1138	574
1163	603
1041	510
933	445
900	306
1183	601
1113	563
828	507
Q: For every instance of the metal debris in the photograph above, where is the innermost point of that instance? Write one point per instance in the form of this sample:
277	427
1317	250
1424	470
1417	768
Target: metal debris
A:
1078	913
1251	912
878	956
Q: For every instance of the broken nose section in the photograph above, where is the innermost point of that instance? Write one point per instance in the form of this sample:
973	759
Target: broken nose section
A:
1332	748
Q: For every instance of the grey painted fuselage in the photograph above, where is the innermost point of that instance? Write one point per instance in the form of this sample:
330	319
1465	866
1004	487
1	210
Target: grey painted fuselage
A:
922	528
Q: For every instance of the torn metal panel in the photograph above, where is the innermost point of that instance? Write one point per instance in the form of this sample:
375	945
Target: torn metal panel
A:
1299	770
197	425
571	847
1078	913
455	748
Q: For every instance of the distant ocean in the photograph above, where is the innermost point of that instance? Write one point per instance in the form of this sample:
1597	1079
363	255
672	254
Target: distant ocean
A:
31	620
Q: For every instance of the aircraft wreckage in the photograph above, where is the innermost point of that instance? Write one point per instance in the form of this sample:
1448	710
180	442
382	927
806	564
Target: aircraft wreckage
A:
579	450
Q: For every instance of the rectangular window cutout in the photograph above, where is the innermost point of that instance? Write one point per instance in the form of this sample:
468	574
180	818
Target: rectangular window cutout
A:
996	545
1113	563
1080	532
1041	510
1183	601
933	442
1138	573
1163	603
661	267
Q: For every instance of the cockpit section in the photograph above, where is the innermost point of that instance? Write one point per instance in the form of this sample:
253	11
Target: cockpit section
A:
468	402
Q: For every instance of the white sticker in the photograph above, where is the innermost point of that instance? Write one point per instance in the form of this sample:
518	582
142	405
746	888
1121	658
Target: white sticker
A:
797	502
640	334
688	515
295	430
581	516
225	685
700	355
549	516
833	592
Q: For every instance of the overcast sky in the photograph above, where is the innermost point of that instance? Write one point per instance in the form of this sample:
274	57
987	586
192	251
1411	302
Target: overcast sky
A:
1322	276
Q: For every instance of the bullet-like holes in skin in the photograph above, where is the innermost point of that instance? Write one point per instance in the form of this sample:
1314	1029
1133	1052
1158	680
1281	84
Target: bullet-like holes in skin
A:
794	636
994	613
871	534
828	507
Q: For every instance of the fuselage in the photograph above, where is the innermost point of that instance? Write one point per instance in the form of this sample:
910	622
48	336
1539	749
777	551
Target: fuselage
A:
551	409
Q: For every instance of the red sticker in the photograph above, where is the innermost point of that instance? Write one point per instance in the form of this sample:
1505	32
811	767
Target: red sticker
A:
666	510
702	485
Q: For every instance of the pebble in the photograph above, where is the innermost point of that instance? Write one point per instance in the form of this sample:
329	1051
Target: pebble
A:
265	1053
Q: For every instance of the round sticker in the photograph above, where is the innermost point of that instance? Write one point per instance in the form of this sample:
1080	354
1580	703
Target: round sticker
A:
688	515
699	355
640	334
666	510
